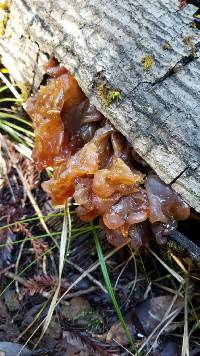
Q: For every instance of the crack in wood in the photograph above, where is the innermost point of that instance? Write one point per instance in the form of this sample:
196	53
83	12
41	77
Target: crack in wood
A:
178	176
179	65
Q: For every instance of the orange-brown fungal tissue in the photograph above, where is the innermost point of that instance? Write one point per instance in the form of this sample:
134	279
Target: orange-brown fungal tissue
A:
97	167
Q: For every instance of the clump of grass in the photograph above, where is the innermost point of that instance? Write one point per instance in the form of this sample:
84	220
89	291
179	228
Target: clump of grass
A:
14	123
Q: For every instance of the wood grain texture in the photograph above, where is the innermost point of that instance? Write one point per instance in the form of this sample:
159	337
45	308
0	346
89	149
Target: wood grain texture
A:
107	41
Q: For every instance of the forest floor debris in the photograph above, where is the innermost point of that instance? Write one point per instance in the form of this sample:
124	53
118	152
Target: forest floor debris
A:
156	288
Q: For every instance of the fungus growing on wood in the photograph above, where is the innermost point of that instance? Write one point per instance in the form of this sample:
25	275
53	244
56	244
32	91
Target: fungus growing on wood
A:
97	167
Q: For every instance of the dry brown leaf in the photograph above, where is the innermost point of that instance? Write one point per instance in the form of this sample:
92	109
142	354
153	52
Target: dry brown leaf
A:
146	316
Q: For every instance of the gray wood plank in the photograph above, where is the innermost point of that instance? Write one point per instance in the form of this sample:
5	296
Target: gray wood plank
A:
106	41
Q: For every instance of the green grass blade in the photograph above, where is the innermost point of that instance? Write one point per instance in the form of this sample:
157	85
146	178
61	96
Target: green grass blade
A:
16	135
3	88
110	288
75	233
18	128
11	132
4	115
32	218
10	100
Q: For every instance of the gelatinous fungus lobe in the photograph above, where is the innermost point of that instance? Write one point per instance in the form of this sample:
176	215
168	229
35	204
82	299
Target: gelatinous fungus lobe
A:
164	203
96	166
61	116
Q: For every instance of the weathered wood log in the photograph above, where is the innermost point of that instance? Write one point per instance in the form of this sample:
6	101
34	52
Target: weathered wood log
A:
147	50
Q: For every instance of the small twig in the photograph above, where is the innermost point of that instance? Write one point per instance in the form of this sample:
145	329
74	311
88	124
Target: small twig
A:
17	266
89	276
44	265
169	290
122	270
119	265
10	187
80	292
19	279
6	269
169	269
22	281
46	294
136	274
123	347
179	262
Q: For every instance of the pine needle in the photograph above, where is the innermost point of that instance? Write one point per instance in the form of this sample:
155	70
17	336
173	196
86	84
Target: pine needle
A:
169	269
179	262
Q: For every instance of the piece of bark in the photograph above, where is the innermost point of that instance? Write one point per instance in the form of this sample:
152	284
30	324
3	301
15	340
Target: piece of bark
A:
111	42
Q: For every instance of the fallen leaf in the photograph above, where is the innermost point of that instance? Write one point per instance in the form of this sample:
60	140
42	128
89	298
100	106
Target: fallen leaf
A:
143	319
73	345
117	333
151	311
